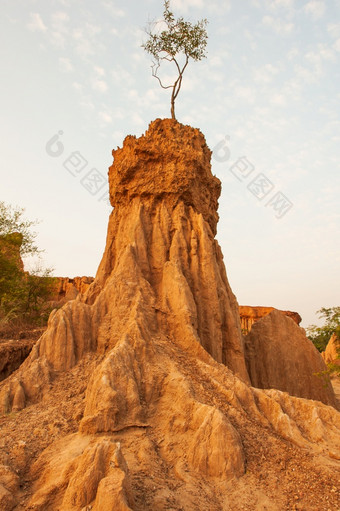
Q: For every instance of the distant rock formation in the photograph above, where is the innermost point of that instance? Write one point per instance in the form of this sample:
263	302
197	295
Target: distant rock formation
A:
249	315
280	356
331	355
142	379
68	288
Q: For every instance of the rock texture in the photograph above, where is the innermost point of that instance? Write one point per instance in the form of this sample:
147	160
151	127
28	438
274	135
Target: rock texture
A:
68	289
280	356
12	355
137	396
249	315
331	355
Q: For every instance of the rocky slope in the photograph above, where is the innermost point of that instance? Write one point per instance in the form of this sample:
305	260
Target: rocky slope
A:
137	396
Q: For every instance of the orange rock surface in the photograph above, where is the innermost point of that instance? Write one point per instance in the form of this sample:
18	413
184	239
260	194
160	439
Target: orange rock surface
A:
280	356
137	396
249	315
68	288
331	355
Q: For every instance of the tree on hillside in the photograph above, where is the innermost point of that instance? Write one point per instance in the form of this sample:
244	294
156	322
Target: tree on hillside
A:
177	44
321	335
23	295
11	222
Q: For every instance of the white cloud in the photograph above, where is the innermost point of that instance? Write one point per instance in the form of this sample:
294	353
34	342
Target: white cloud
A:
216	61
219	7
315	8
279	26
317	58
87	104
36	23
293	52
337	45
287	7
99	71
100	85
278	99
245	93
305	75
184	5
265	74
113	10
60	17
122	76
333	29
105	117
59	30
137	119
77	86
85	39
58	39
283	3
65	65
189	84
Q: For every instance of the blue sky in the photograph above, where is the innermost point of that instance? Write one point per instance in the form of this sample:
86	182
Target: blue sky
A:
267	99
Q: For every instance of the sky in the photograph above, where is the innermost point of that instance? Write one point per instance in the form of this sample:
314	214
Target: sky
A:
75	81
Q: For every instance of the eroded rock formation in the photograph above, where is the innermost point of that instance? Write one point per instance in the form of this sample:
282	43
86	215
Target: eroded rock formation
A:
12	355
142	380
249	315
280	356
331	355
66	288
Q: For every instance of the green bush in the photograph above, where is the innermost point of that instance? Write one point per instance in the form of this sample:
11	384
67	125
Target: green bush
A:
320	336
23	295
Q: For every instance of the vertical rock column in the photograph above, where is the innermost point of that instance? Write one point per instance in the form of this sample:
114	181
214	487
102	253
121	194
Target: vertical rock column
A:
165	205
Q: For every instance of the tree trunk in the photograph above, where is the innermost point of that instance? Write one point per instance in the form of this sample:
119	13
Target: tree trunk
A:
173	104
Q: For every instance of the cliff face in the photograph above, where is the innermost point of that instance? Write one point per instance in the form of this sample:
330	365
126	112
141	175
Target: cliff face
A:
249	315
280	356
142	380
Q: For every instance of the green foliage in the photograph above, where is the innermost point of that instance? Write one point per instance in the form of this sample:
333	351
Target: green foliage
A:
179	39
10	277
23	295
321	335
12	224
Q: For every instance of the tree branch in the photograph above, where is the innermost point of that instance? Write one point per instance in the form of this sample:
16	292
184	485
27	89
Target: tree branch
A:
155	68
